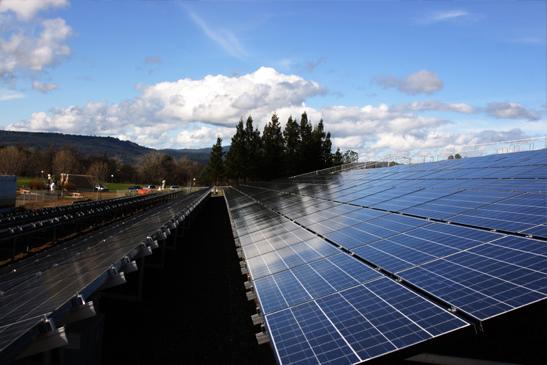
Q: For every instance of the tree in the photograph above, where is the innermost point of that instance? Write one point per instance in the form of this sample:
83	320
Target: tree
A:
186	170
215	168
12	160
298	148
236	155
99	169
305	153
40	160
326	151
253	150
337	158
350	156
320	150
66	162
154	167
292	139
273	149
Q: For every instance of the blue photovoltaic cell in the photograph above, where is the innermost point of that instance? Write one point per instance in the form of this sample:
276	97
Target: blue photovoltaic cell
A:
326	342
351	237
410	255
269	295
523	244
335	276
509	272
537	231
382	259
479	294
355	268
315	285
361	334
290	287
424	244
399	329
429	317
290	343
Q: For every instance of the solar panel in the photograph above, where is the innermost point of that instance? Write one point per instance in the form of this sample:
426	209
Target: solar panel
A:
297	286
461	240
41	285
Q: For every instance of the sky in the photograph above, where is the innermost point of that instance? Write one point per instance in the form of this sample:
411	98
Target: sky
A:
387	78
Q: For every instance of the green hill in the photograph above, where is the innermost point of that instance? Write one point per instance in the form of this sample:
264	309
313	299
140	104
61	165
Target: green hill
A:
94	146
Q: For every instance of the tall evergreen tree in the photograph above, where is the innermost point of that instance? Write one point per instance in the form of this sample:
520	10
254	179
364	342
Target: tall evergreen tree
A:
273	149
337	158
215	167
317	154
235	158
305	153
326	151
253	150
292	138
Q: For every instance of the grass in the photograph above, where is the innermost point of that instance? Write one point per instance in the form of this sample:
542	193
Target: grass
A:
23	181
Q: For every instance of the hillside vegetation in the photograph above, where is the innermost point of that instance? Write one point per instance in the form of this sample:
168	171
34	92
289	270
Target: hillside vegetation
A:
127	151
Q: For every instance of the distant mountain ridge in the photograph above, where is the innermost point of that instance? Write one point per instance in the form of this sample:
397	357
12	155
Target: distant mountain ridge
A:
128	151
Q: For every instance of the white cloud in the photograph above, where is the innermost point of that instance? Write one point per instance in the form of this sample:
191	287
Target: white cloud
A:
507	110
423	81
193	112
428	105
27	9
220	99
224	38
201	134
6	95
24	52
171	107
44	87
443	16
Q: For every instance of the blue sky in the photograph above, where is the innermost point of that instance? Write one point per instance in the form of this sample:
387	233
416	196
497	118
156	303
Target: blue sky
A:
385	76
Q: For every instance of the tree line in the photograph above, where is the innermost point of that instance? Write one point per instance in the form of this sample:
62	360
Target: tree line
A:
298	148
150	168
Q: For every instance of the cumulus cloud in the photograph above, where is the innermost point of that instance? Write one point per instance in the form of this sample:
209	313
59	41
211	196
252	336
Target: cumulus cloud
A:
22	52
199	133
220	99
44	87
507	110
423	81
193	112
27	9
28	43
165	107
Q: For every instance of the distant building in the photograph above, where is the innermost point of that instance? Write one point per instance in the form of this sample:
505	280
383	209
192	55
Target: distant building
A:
8	188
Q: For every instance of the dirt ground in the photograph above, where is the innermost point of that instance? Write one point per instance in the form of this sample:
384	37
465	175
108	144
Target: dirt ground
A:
38	200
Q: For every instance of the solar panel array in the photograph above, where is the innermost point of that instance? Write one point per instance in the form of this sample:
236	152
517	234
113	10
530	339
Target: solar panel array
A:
353	265
43	285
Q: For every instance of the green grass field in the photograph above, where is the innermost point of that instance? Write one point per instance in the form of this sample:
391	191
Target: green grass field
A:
23	181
